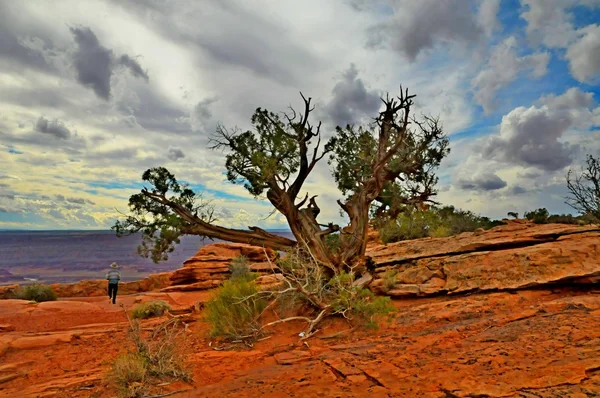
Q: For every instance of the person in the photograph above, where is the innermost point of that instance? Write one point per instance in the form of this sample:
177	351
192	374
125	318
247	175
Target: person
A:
113	276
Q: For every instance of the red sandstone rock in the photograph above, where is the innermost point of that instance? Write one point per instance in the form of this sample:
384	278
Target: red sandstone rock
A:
210	266
508	257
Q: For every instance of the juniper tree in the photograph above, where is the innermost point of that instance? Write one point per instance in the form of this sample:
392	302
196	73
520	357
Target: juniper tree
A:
388	164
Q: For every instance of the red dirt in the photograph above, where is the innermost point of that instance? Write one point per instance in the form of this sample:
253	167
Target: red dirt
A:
501	325
498	344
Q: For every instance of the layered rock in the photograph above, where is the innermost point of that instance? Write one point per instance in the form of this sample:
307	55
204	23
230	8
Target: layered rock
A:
96	288
209	267
513	256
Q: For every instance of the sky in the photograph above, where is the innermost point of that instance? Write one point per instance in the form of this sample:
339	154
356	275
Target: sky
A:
93	93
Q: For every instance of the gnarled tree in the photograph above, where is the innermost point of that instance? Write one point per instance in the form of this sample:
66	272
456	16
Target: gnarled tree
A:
390	162
585	189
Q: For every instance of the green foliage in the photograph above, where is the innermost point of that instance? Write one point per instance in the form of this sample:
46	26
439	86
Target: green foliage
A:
235	307
128	373
390	277
539	216
354	151
36	292
239	267
542	216
359	305
150	309
159	225
435	222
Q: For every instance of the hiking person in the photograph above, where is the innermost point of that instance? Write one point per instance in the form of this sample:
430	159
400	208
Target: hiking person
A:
113	276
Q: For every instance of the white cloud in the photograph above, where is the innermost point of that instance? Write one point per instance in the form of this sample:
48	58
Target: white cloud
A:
551	23
584	54
503	67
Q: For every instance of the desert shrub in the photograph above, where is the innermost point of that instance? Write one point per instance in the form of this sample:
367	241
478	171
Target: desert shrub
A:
239	266
513	214
157	358
390	277
338	295
539	216
36	292
150	309
357	304
542	216
441	231
235	307
434	222
128	373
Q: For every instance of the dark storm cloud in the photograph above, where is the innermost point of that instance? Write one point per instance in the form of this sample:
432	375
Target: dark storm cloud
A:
486	181
55	128
352	100
175	154
95	64
14	52
420	25
517	190
133	66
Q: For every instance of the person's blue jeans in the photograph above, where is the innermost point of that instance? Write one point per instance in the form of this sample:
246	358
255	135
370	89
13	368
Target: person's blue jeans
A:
112	291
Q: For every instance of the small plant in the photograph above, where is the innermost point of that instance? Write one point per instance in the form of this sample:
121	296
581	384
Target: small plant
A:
157	357
234	309
358	304
36	292
390	277
239	266
129	375
150	309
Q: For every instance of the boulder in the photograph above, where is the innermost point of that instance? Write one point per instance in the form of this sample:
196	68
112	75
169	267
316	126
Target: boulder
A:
209	267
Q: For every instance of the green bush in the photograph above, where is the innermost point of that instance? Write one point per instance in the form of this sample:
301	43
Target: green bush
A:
239	266
435	222
235	307
150	309
359	305
542	216
128	373
36	292
390	277
539	216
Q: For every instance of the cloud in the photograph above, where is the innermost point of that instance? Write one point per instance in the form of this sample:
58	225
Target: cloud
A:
503	67
92	61
133	66
584	54
94	64
201	115
488	16
55	128
486	181
534	136
175	154
551	22
352	100
416	26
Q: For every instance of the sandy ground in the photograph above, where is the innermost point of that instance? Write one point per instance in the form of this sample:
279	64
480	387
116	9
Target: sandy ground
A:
531	343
